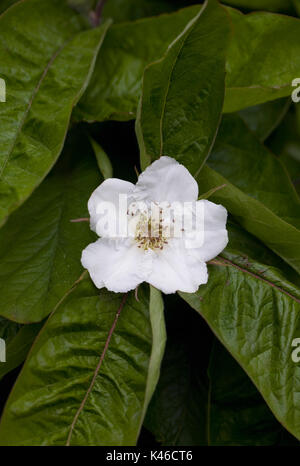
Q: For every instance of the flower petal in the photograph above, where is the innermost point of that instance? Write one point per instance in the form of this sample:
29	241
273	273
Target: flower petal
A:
214	238
165	180
117	265
108	192
175	269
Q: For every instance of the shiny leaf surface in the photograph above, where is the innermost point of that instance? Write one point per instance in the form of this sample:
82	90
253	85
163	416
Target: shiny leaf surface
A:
266	5
42	79
256	72
258	192
95	354
18	347
263	119
254	311
103	161
130	10
183	93
215	405
40	248
116	83
285	143
8	329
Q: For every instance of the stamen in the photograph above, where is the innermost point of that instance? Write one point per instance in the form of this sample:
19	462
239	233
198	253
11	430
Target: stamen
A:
150	234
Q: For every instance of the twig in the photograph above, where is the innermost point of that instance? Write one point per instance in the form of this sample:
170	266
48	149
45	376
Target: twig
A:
96	15
77	220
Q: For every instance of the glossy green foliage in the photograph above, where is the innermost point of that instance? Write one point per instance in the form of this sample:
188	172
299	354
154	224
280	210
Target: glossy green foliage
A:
182	98
115	85
253	310
18	346
237	414
269	210
95	354
280	6
42	79
92	367
40	248
103	161
263	59
256	72
263	119
8	329
157	320
17	341
285	143
130	10
207	404
5	4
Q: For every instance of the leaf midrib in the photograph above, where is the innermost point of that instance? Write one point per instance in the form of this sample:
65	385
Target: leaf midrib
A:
229	263
189	29
28	108
97	370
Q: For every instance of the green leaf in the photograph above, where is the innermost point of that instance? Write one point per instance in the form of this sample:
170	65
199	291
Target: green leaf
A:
84	7
256	72
95	354
124	10
18	347
266	5
237	414
156	311
285	143
258	192
15	353
177	412
6	4
115	86
39	41
296	4
263	119
207	404
254	311
212	191
8	329
130	10
40	248
182	97
293	167
103	161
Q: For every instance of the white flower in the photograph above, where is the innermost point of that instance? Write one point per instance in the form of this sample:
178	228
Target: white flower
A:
151	249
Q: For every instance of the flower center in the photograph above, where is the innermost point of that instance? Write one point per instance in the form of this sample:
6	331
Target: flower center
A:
150	233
